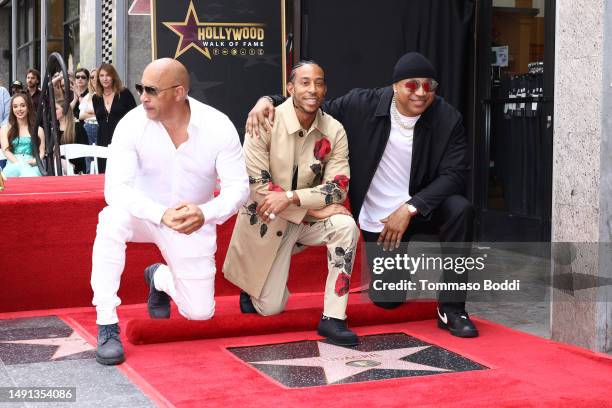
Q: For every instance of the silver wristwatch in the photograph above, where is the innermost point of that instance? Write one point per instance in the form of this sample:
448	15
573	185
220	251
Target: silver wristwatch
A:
289	195
413	210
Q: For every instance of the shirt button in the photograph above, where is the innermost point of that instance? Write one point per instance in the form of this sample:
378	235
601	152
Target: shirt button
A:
279	233
301	134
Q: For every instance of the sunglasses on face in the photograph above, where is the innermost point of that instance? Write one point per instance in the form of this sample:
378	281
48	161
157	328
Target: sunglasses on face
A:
81	77
413	85
151	90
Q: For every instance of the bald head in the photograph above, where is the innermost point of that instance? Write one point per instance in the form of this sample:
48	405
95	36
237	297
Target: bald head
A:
168	70
168	84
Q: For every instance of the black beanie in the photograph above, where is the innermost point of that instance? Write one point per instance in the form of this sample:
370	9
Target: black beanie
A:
413	65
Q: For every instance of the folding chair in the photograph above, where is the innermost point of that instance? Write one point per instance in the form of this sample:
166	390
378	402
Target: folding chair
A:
75	151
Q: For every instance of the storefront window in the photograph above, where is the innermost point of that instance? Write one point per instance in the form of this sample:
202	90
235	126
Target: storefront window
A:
62	33
517	37
55	31
71	34
26	37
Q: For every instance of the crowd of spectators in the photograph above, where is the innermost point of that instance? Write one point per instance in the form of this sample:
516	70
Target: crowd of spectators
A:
97	102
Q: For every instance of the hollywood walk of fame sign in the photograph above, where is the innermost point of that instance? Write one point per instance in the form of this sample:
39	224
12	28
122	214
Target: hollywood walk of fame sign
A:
238	45
385	356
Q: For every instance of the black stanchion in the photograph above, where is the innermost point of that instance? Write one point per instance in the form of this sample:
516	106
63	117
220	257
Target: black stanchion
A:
51	164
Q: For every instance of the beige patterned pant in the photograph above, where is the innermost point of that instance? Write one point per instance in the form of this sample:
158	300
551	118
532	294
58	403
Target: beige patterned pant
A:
340	234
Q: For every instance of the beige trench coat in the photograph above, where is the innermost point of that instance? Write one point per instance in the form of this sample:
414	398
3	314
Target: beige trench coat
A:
323	174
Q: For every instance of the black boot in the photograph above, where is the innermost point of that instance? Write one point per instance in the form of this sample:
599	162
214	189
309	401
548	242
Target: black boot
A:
110	349
158	302
336	332
246	304
457	322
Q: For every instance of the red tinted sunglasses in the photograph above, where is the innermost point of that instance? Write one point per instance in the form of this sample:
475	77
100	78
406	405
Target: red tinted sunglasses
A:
413	85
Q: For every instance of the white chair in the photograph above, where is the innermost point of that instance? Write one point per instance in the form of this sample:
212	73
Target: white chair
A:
75	151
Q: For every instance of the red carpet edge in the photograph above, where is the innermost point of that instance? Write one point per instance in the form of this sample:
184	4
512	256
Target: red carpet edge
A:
149	331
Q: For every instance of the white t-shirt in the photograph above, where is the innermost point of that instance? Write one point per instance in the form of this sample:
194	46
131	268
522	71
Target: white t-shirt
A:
86	104
389	187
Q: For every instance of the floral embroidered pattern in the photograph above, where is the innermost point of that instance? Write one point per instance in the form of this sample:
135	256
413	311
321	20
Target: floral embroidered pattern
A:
342	284
251	212
275	187
343	259
322	148
265	178
316	168
341	181
331	191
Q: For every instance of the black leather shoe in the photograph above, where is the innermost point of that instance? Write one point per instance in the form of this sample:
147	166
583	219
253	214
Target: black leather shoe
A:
246	304
110	349
457	322
388	305
158	303
336	332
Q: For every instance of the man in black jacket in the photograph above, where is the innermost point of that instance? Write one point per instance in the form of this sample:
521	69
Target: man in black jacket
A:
408	160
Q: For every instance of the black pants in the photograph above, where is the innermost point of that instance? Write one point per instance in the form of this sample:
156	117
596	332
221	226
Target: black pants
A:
81	138
452	221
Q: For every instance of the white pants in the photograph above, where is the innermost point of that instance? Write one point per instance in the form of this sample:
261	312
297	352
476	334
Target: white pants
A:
190	281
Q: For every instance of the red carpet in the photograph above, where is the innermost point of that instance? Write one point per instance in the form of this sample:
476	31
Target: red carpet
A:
524	371
45	260
53	186
48	238
149	331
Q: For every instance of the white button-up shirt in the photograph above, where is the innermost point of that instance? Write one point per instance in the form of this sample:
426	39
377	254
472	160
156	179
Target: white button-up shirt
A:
146	174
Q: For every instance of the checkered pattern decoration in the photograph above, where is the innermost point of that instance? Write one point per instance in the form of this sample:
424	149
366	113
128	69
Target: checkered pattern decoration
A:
107	31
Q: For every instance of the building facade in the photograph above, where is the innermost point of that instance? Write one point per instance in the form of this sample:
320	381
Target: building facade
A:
577	204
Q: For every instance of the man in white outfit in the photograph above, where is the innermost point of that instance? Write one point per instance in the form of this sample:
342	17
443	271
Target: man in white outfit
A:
163	165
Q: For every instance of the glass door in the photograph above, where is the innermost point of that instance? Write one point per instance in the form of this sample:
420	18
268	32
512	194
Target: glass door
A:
514	155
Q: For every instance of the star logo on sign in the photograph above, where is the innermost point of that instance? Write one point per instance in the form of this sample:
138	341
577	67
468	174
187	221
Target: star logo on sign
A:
340	363
66	346
188	33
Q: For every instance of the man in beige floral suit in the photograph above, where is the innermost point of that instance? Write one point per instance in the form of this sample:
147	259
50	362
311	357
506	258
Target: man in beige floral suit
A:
299	176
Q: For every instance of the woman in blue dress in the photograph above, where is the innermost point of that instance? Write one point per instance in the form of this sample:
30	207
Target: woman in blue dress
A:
20	140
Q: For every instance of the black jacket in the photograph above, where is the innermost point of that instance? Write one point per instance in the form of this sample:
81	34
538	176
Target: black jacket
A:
439	152
123	102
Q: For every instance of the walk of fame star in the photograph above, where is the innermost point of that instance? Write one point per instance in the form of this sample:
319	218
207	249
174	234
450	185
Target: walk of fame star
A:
377	357
341	362
66	346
